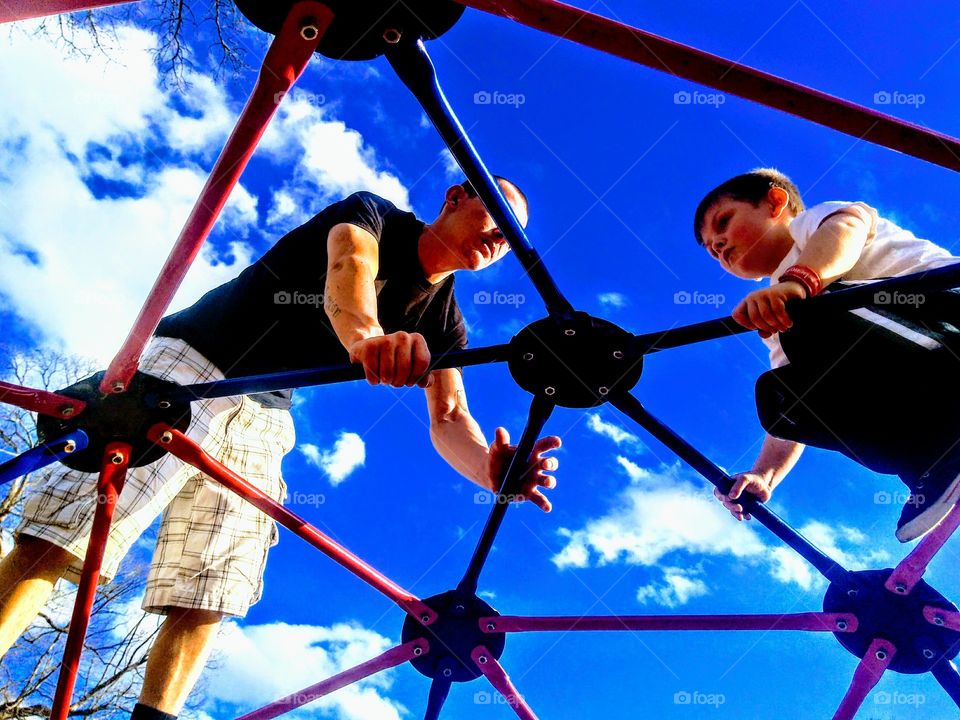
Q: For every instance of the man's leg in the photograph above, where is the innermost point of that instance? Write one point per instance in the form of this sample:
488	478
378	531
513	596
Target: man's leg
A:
177	658
27	577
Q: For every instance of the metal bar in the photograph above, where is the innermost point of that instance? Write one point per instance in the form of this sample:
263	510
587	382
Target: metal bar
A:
320	376
439	689
911	569
116	459
632	408
40	401
190	452
391	658
498	677
811	621
865	678
943	278
14	10
39	457
683	61
946	674
540	411
285	62
942	618
413	65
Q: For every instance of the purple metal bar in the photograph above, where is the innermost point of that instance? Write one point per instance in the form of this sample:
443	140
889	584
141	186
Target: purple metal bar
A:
13	10
942	618
439	689
946	674
811	621
908	573
865	678
659	53
286	60
391	658
498	677
43	455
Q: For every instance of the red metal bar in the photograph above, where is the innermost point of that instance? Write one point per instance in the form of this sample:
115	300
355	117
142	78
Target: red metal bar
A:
942	618
727	76
13	10
865	678
908	573
498	677
812	621
190	452
40	401
391	658
284	64
116	459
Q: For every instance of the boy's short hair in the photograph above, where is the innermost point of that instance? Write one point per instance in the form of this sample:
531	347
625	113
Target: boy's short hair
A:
751	187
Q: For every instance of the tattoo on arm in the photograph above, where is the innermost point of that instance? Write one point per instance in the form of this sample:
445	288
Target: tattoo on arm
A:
333	310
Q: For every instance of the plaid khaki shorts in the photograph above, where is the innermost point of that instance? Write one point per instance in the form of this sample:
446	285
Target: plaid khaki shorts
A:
211	546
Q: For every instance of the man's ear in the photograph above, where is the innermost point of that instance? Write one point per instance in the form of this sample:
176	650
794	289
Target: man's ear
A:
778	199
455	195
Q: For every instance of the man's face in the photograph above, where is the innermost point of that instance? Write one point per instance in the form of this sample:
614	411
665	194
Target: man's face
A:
473	235
742	237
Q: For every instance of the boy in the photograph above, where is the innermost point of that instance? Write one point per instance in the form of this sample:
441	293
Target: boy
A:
866	382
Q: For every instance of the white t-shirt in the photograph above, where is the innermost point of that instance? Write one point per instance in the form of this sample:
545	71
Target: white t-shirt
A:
890	251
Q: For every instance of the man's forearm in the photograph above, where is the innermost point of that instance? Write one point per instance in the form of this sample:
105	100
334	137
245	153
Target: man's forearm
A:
459	440
777	458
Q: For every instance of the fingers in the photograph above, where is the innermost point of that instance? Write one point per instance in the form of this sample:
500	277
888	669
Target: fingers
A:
539	499
421	362
501	437
546	444
387	352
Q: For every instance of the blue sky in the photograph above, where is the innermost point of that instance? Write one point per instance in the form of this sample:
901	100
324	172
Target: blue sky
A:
99	168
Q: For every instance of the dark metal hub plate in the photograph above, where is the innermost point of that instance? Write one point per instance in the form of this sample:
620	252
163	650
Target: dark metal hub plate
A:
577	362
896	618
121	417
359	26
453	636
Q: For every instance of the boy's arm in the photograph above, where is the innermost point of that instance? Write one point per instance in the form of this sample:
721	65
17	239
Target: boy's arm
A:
831	252
459	440
350	301
776	459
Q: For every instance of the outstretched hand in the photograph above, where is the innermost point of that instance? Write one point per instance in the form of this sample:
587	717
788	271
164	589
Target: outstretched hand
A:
535	478
766	310
752	483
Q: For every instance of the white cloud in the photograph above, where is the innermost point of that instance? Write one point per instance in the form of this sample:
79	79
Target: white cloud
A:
257	664
613	299
349	453
678	587
451	167
609	430
663	515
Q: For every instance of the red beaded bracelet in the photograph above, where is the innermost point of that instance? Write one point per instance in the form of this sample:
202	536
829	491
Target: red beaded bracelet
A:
806	276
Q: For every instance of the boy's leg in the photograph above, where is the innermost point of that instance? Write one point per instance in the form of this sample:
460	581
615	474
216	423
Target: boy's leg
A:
27	577
178	657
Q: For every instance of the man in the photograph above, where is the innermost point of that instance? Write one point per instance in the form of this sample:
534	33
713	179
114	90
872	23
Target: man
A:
386	282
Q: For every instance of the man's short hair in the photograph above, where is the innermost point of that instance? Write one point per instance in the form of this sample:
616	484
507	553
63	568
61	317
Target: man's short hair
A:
751	187
472	191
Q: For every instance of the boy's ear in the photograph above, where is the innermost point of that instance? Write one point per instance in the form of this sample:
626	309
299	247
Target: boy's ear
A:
778	199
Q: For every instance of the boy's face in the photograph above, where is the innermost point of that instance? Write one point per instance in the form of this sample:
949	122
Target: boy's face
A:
747	241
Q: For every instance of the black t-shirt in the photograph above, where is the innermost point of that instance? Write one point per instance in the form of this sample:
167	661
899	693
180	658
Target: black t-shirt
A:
271	318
